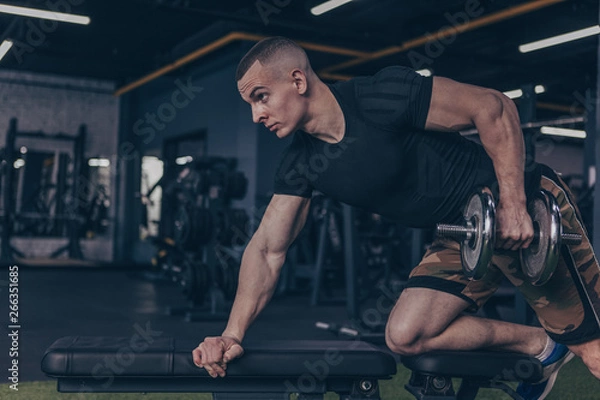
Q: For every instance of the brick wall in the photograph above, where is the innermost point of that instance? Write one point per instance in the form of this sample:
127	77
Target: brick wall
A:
54	104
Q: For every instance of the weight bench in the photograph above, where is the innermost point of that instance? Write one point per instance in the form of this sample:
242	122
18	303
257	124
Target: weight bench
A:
267	371
274	370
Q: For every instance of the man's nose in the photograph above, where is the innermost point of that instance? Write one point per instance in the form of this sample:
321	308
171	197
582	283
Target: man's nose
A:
258	115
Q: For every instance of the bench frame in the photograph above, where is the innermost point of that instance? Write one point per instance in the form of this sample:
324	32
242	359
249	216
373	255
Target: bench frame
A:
233	388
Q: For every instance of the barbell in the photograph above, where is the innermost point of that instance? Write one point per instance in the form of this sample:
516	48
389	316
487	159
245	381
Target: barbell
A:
478	236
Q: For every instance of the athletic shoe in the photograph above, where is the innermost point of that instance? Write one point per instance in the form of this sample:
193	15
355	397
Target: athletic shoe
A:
538	391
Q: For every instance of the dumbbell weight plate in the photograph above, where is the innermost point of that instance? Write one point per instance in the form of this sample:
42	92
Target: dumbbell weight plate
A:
476	251
539	260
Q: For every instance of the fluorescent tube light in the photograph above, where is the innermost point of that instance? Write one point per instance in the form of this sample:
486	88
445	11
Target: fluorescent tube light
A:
99	162
424	72
515	94
44	14
553	41
4	48
328	6
572	133
183	160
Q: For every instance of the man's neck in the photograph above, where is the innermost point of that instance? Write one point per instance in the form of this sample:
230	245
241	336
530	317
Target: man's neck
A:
325	119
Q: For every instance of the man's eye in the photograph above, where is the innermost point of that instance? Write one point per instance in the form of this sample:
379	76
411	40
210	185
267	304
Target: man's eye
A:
262	97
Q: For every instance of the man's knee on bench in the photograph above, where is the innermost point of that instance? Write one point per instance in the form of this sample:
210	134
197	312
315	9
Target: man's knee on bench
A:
406	339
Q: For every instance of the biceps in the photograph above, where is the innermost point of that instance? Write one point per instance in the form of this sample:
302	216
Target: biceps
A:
455	106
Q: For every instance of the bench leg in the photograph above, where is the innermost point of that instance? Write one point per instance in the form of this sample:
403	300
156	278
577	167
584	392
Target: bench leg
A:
365	389
468	389
502	386
430	387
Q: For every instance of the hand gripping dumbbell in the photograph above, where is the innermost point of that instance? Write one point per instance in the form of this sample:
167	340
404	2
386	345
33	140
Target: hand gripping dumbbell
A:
540	259
478	236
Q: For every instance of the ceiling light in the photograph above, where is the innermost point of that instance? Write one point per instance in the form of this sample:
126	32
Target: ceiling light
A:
567	37
424	72
19	162
183	160
573	133
4	48
328	6
44	14
515	94
99	162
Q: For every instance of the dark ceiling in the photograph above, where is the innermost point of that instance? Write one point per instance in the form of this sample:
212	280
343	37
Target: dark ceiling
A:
128	39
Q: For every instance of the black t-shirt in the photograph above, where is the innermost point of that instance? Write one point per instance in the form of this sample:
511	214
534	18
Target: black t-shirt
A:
386	162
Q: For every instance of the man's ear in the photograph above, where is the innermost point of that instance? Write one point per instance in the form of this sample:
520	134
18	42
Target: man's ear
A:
300	81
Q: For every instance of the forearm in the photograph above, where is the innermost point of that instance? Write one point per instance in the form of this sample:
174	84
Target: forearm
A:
502	138
259	273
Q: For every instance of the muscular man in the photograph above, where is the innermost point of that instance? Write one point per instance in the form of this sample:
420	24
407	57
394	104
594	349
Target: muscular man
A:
388	143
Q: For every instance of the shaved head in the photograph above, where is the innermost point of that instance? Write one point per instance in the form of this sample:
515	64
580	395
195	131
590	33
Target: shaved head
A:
278	54
276	79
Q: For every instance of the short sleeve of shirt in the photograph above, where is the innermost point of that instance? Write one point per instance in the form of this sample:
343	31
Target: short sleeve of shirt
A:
394	98
290	177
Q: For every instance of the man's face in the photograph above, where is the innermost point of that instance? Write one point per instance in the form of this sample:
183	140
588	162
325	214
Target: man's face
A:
275	99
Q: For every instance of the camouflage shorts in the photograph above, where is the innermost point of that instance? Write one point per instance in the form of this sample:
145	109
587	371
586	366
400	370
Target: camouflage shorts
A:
567	306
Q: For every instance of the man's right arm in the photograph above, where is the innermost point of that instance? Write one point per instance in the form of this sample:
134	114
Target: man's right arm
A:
259	272
263	258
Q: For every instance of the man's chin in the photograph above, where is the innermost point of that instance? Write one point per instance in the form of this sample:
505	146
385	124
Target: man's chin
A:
281	133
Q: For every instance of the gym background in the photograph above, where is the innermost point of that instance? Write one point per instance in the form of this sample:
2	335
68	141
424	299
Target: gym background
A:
133	176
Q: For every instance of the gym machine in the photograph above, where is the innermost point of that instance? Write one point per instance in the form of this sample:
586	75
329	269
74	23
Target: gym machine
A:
60	216
200	235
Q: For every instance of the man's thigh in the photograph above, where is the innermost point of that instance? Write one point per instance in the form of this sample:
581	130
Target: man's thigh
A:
441	270
568	305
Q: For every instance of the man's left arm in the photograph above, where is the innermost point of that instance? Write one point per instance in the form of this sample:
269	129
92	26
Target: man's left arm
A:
455	106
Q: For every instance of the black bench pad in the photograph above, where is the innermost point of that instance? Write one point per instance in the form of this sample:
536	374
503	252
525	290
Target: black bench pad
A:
477	364
84	356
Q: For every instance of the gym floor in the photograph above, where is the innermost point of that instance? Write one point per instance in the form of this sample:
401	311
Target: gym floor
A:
56	302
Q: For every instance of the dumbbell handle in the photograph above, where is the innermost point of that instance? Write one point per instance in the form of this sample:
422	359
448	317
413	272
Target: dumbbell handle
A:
458	232
565	238
571	238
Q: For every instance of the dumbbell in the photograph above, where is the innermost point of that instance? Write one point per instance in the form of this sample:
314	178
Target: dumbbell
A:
540	259
477	236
